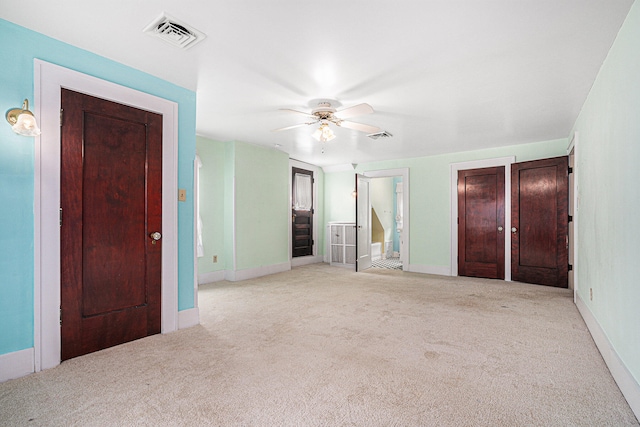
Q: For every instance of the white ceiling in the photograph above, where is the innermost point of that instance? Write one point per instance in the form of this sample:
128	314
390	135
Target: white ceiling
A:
442	76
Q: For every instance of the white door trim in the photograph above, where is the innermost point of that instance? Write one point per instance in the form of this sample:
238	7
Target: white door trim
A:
48	80
406	223
363	222
479	164
573	146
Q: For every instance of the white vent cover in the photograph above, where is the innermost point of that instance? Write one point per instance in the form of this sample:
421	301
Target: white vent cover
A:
174	32
382	134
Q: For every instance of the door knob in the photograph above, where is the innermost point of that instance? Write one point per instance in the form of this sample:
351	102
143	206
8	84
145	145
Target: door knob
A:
500	229
155	235
514	230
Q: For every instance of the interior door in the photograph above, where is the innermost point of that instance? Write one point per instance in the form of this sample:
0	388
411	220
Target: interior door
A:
539	217
111	218
301	212
481	223
363	223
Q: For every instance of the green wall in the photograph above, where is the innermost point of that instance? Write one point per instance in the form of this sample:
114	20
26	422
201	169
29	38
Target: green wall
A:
429	194
18	49
244	188
261	206
608	152
212	205
339	203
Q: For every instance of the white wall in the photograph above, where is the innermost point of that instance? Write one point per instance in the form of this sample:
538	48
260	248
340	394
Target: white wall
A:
608	235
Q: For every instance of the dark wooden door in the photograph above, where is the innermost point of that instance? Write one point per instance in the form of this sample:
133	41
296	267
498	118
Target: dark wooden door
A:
539	218
481	223
111	200
301	212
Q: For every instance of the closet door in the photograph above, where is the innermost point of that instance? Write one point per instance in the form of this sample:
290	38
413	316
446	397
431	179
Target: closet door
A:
539	221
481	223
301	212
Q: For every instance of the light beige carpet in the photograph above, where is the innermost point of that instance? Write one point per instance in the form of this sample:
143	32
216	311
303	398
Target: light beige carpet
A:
323	346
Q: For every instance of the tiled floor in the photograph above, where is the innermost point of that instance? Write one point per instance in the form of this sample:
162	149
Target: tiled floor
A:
389	263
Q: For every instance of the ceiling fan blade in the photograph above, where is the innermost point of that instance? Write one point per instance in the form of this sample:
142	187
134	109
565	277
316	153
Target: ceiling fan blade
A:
299	112
359	126
292	127
356	110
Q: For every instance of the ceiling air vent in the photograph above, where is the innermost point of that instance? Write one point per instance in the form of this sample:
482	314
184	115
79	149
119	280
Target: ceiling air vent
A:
382	134
174	32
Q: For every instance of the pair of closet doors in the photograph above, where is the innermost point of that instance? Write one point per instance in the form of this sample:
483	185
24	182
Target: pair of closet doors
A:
539	222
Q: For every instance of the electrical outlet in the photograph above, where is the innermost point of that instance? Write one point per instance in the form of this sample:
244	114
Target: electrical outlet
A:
590	294
215	258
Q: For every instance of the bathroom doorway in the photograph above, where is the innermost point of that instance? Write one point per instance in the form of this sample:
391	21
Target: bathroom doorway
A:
389	198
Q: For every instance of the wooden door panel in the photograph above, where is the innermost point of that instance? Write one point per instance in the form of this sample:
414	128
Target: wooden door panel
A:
540	218
538	223
111	196
113	214
480	214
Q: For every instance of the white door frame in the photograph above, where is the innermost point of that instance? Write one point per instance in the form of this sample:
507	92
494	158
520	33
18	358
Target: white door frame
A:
479	164
404	242
363	225
49	79
573	146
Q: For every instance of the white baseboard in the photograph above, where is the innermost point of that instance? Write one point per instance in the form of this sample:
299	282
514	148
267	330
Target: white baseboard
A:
188	318
429	269
16	364
214	276
626	382
252	273
305	260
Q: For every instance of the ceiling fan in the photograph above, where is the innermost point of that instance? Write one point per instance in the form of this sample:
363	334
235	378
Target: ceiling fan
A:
325	114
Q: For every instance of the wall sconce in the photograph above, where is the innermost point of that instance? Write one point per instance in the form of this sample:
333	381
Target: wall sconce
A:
22	121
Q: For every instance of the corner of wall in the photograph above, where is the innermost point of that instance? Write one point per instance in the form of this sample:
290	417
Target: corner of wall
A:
17	364
626	382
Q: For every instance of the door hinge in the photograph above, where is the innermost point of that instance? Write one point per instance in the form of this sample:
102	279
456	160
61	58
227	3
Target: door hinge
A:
60	217
570	170
312	242
61	115
60	315
570	267
570	218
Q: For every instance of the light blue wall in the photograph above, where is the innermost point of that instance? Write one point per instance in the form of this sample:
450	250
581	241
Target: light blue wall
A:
18	49
608	171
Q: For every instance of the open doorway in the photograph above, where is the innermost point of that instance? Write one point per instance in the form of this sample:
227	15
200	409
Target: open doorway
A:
388	233
386	222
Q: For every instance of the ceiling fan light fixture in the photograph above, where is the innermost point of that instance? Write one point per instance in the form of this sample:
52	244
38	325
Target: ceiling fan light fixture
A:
323	133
